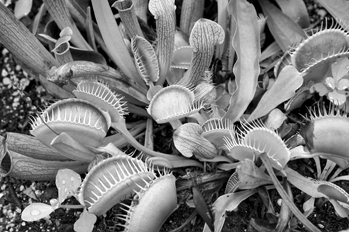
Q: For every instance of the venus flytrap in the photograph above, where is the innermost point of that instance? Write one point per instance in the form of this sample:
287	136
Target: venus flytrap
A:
68	119
101	95
202	114
315	57
325	134
145	59
111	181
254	139
147	63
107	184
173	103
215	130
324	175
261	143
318	188
315	54
159	193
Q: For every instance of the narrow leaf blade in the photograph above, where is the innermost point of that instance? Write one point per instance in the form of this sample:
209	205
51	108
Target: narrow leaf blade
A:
114	41
338	9
283	89
247	45
285	31
227	202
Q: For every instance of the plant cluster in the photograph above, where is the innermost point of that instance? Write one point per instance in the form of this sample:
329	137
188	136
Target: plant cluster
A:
228	85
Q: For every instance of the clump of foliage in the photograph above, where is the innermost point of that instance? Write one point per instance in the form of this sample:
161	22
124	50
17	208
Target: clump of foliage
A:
237	132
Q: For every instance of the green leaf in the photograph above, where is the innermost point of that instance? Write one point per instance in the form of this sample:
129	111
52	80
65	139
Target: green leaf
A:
67	183
54	89
202	207
86	222
338	9
341	210
340	68
308	206
114	40
284	88
296	10
284	30
23	44
60	13
145	58
36	211
23	8
71	148
307	185
227	202
189	141
246	42
250	176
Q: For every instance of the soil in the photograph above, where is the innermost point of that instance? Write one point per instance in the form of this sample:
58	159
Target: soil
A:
16	194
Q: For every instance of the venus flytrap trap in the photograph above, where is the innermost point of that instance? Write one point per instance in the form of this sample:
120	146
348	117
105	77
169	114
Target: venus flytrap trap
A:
334	193
317	188
173	103
254	139
325	134
147	64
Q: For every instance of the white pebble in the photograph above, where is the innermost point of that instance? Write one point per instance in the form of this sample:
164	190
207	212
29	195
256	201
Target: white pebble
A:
322	12
4	73
279	201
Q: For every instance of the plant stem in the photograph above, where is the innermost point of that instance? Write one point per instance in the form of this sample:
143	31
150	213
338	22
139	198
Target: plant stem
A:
284	195
72	206
177	161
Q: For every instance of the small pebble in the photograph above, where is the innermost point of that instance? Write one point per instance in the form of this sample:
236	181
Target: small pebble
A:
279	201
322	13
